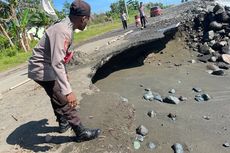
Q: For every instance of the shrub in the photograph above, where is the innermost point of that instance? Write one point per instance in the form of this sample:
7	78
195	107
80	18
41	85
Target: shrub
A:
3	42
12	51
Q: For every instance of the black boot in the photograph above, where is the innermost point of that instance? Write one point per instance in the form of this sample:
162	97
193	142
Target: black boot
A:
85	134
63	125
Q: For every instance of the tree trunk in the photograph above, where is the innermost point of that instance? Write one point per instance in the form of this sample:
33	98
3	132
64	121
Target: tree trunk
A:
2	29
25	40
22	45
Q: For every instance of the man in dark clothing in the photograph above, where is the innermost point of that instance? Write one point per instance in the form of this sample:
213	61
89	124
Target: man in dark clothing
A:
142	15
47	68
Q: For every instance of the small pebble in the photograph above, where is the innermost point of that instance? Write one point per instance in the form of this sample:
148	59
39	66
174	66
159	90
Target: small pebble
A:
172	116
125	100
206	117
151	145
172	100
142	130
226	144
192	61
140	137
91	117
197	89
218	72
172	91
151	113
178	148
181	98
158	98
136	145
148	96
199	98
147	89
206	97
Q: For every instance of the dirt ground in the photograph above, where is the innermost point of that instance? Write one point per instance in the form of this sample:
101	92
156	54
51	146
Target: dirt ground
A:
27	118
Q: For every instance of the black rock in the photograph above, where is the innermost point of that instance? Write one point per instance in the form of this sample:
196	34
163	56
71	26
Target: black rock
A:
204	49
223	65
227	8
206	97
215	25
218	72
222	32
219	45
197	89
218	9
171	100
222	17
172	116
226	49
204	58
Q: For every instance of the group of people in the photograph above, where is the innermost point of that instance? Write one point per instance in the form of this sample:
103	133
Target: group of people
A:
139	19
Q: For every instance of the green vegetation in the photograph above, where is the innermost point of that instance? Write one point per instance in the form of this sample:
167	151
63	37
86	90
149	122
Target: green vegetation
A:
7	62
95	30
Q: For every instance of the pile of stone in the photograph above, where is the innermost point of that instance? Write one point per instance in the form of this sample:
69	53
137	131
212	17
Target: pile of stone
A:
209	34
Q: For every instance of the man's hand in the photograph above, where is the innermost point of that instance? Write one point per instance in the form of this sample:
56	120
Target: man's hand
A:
71	100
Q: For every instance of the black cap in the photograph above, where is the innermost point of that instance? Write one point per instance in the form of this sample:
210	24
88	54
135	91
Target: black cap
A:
80	8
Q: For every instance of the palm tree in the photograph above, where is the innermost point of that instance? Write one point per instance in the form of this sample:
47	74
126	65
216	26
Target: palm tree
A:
39	19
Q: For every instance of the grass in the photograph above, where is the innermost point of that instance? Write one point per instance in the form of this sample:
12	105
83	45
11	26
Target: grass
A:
7	62
95	30
99	29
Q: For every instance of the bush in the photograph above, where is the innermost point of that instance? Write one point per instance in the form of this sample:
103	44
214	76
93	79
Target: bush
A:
10	52
3	42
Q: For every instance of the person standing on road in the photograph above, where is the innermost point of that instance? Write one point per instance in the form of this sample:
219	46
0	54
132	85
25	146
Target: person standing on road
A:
47	67
123	17
142	15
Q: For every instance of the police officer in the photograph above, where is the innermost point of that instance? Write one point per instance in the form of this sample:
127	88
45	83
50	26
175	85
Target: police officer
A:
47	68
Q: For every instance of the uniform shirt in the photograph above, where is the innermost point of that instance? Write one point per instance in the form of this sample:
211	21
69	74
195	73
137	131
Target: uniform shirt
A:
51	54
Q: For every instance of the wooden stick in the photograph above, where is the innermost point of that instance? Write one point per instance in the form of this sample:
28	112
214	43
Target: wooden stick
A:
19	84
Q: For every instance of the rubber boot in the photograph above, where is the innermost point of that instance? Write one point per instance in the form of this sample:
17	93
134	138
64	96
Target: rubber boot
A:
85	134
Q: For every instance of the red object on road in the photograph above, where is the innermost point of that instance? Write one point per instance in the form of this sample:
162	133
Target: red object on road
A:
155	11
137	20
